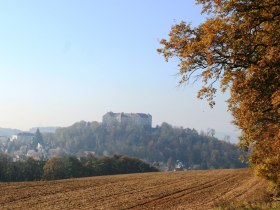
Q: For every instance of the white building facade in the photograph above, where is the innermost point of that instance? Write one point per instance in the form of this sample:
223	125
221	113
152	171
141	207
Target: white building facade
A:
138	119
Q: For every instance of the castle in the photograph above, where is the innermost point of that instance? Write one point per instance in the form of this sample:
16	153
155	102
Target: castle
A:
138	119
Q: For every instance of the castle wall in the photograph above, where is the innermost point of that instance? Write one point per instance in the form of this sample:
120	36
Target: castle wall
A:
139	119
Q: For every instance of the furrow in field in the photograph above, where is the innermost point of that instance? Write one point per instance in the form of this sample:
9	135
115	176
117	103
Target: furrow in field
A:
179	194
167	190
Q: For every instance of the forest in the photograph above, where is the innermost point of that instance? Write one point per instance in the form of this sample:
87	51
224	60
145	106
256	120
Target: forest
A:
162	145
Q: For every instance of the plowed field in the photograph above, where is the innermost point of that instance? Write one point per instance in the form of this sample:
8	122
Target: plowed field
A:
164	190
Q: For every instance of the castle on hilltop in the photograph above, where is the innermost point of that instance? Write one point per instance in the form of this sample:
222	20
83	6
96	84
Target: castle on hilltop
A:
138	119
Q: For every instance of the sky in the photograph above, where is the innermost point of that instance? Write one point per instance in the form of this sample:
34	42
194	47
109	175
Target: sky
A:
63	61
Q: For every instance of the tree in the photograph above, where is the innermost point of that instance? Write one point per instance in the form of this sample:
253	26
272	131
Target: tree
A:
31	169
5	162
56	168
74	166
38	139
90	164
238	46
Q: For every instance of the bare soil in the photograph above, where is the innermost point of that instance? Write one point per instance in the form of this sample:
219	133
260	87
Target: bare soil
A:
162	190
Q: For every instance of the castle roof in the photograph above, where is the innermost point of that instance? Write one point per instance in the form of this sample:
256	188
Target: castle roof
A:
142	115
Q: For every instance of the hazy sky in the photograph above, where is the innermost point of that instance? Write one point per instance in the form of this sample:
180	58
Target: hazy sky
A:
63	61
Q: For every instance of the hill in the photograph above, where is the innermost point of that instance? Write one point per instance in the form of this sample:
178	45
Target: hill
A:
8	131
43	129
163	145
162	190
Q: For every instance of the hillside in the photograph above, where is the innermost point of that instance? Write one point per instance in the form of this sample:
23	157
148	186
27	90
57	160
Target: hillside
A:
163	145
164	190
8	131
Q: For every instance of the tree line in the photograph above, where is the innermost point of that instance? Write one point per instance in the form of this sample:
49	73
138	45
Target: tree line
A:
69	167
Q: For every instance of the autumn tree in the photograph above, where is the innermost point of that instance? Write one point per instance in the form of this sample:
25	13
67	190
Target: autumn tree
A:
56	168
238	47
